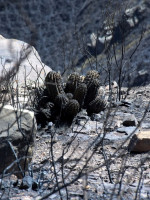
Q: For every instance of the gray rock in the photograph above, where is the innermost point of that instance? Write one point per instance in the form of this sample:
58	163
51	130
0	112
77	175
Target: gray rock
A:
82	115
130	120
126	103
113	85
17	132
96	117
28	182
140	142
145	125
112	136
127	130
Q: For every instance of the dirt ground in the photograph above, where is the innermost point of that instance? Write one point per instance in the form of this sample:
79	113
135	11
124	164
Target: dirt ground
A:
86	162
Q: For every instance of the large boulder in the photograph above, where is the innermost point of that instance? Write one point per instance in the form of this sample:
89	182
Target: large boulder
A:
17	132
31	69
140	142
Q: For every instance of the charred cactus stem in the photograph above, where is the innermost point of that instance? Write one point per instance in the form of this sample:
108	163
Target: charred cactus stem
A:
44	114
53	82
73	81
96	106
69	95
92	90
71	109
43	101
91	75
80	93
60	101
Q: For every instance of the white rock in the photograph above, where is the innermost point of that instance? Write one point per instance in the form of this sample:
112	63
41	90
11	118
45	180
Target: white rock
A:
113	85
93	38
31	68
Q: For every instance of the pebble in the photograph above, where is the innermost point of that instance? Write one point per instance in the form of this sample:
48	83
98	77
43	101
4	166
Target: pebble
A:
96	117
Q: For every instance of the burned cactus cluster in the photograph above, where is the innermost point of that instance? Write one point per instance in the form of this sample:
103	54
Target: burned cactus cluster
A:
61	102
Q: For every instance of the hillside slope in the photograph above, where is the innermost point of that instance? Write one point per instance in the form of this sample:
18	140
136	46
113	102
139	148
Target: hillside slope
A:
60	31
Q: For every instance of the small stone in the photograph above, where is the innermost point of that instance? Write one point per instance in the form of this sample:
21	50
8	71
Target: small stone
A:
50	124
26	182
130	120
125	103
96	117
82	123
113	85
140	142
82	117
126	130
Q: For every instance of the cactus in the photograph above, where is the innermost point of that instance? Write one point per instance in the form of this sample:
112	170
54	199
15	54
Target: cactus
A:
71	110
92	90
44	114
69	95
80	93
97	105
73	81
60	101
53	82
90	76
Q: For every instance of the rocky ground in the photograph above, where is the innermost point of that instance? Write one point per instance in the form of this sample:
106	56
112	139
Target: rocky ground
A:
91	157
